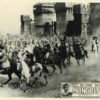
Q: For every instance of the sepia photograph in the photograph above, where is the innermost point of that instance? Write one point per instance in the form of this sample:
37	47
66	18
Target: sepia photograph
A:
49	49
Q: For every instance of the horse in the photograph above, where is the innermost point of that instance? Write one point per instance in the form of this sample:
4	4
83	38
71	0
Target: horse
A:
70	53
47	57
38	57
36	72
63	53
8	68
50	57
80	53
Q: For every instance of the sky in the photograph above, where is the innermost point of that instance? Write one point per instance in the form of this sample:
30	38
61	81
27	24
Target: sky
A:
10	15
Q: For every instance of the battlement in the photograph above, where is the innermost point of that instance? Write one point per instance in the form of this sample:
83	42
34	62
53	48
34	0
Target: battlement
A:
85	8
44	5
63	7
43	8
25	24
81	9
25	18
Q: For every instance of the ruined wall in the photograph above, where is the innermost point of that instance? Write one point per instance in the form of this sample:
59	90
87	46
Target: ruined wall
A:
44	16
95	18
25	24
64	14
74	26
61	22
79	27
22	24
85	11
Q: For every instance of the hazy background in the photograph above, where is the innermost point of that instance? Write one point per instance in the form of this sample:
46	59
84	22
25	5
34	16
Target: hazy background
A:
10	15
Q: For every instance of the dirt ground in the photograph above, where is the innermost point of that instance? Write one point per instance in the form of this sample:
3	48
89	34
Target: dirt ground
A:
90	72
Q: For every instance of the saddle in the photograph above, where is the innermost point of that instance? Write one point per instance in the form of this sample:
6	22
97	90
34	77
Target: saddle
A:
35	68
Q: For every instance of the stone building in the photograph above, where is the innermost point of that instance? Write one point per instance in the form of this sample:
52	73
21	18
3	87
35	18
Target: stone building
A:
85	14
25	24
58	18
94	18
44	18
79	27
64	14
52	18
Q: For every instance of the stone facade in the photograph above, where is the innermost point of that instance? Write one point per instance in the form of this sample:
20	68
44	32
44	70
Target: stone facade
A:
64	14
57	18
25	24
44	18
94	18
79	27
85	11
52	18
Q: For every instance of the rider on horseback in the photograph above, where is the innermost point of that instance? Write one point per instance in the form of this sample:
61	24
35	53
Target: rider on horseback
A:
47	49
28	56
3	57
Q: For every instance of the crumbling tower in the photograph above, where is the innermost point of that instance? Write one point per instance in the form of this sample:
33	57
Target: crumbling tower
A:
25	24
85	14
44	18
81	14
94	18
64	14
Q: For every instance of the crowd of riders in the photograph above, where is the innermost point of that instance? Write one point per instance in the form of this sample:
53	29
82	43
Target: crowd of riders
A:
57	44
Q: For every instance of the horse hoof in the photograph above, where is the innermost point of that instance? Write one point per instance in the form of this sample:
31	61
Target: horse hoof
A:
16	85
46	83
25	91
21	85
64	66
61	71
1	85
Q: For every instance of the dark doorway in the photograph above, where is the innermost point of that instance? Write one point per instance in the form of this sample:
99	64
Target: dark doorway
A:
55	27
46	28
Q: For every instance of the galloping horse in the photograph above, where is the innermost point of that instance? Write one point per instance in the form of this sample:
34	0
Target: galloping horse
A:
9	67
47	57
80	52
36	71
70	52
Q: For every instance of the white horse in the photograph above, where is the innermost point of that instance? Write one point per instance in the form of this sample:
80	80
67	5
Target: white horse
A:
37	72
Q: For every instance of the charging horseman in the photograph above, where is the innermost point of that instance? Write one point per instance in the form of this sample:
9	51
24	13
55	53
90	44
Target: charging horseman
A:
4	63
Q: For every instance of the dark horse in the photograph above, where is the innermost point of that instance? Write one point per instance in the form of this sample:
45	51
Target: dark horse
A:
80	52
62	51
12	68
47	57
65	52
